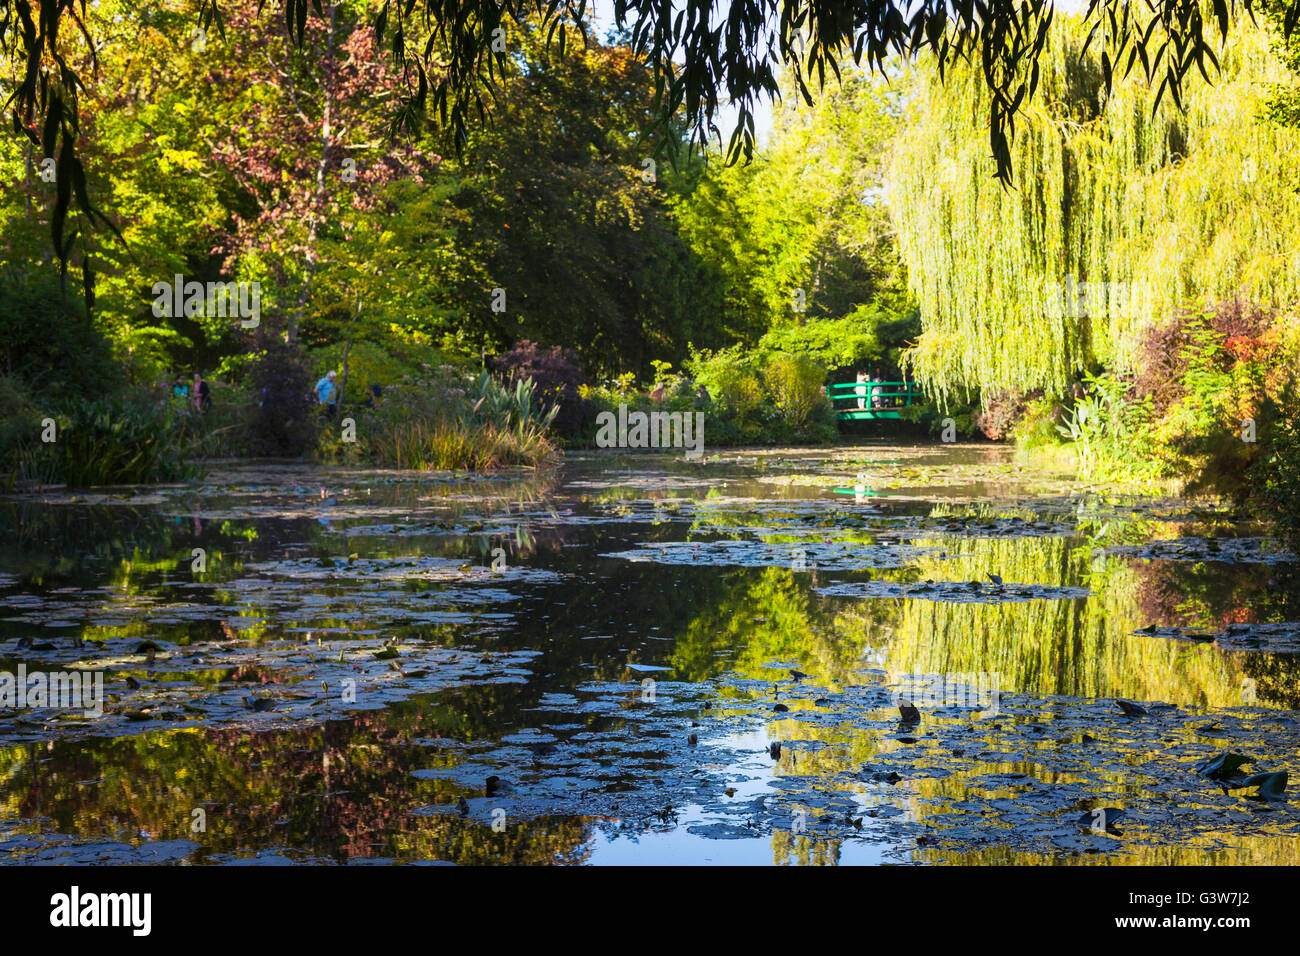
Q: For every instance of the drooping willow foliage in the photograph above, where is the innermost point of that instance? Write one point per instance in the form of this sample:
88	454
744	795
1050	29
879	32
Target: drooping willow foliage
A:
1117	216
1079	647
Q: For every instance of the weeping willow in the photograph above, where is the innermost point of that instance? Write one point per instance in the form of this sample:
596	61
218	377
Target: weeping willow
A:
1084	647
1118	214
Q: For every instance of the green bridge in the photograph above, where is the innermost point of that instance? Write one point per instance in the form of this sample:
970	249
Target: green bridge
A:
854	401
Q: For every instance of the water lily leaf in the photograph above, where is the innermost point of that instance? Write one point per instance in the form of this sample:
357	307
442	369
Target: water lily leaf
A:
1102	818
1224	766
1271	785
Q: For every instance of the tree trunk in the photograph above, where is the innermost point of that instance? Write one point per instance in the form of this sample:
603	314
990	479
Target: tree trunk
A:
343	374
318	193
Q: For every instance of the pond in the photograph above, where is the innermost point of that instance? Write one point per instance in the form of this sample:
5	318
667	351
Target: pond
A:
867	654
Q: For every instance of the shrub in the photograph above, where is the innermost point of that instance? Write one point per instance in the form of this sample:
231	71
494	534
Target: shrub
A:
1199	376
385	363
750	403
1204	373
518	408
20	425
733	382
1275	474
935	417
445	422
1000	412
47	341
18	414
795	384
1168	351
1036	427
557	379
116	440
1162	360
1109	431
224	430
747	397
285	420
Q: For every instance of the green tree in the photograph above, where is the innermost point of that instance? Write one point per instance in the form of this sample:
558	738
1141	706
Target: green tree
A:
568	215
699	57
1121	214
800	239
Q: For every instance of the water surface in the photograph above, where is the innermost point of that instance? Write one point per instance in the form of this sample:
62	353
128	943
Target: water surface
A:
645	659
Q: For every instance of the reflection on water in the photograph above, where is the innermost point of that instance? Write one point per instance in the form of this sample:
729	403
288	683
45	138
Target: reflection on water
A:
644	660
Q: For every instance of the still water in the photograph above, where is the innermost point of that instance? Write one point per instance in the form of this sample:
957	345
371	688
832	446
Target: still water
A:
643	659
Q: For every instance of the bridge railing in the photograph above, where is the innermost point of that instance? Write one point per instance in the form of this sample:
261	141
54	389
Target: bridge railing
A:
873	397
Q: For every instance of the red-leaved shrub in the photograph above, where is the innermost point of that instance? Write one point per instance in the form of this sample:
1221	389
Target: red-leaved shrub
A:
1165	349
556	376
999	412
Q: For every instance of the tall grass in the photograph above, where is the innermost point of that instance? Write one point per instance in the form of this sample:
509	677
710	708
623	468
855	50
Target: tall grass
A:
110	440
120	441
480	425
452	445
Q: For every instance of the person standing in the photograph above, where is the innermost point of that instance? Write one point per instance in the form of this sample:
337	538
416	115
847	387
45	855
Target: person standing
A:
202	394
327	393
179	388
861	390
